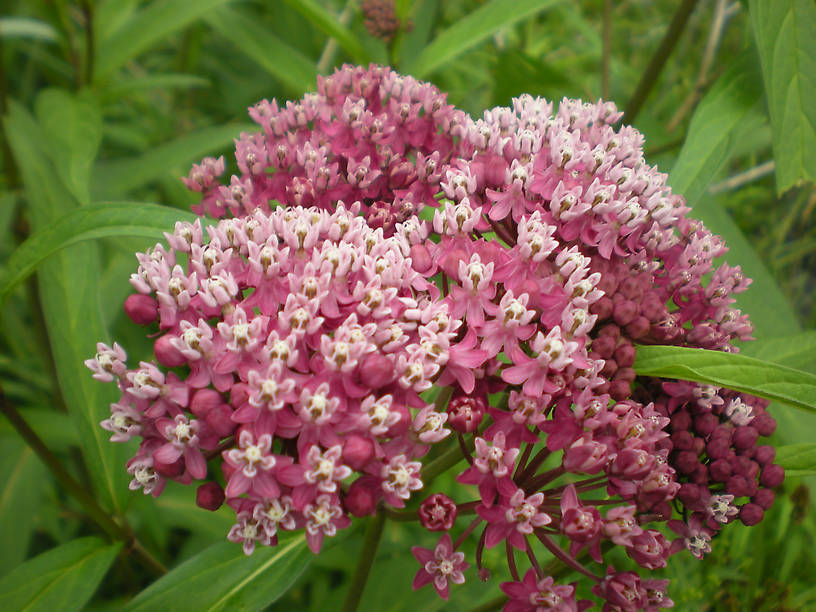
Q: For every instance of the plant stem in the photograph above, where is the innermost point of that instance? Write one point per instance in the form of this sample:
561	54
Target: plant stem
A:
444	462
327	56
373	533
113	529
652	72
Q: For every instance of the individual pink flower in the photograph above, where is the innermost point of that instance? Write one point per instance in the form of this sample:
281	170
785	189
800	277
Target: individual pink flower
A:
440	566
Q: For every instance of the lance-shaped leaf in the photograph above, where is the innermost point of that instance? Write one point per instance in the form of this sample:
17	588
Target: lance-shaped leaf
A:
272	54
716	126
473	29
784	33
144	29
118	176
63	578
324	21
797	459
89	223
731	370
223	578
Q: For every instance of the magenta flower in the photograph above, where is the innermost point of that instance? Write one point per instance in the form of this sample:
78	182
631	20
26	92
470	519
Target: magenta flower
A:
440	566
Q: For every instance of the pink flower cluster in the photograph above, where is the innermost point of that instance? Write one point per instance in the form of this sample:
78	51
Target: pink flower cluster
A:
306	338
307	334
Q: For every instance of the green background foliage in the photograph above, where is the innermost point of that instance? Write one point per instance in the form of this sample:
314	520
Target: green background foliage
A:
106	103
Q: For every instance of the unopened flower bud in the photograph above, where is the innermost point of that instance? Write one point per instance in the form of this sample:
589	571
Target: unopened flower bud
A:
357	451
169	470
745	437
625	355
764	423
772	475
751	514
376	370
421	258
604	346
704	424
624	312
220	420
764	454
142	309
720	470
465	413
437	512
764	498
205	400
362	496
167	354
638	327
210	496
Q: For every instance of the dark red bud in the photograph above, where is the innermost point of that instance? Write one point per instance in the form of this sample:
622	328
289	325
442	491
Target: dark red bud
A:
751	514
437	513
745	437
625	355
720	470
764	423
704	424
764	454
764	498
465	413
638	327
604	346
620	390
631	288
625	312
772	475
602	308
169	470
362	496
210	496
220	420
686	462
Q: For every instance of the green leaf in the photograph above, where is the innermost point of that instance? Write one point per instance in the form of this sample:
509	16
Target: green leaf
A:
89	223
280	60
731	370
715	127
63	578
145	29
784	31
21	494
25	27
324	21
223	578
795	351
117	177
68	286
74	128
797	459
117	91
473	29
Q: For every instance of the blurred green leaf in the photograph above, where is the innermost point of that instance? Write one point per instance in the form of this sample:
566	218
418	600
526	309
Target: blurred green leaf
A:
712	133
223	578
796	351
26	27
323	20
68	289
74	128
785	33
113	178
21	493
63	578
89	223
145	29
730	370
267	50
118	90
797	459
473	29
516	72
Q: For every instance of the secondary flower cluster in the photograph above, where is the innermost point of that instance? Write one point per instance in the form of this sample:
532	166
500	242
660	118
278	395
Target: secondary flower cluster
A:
305	350
307	333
